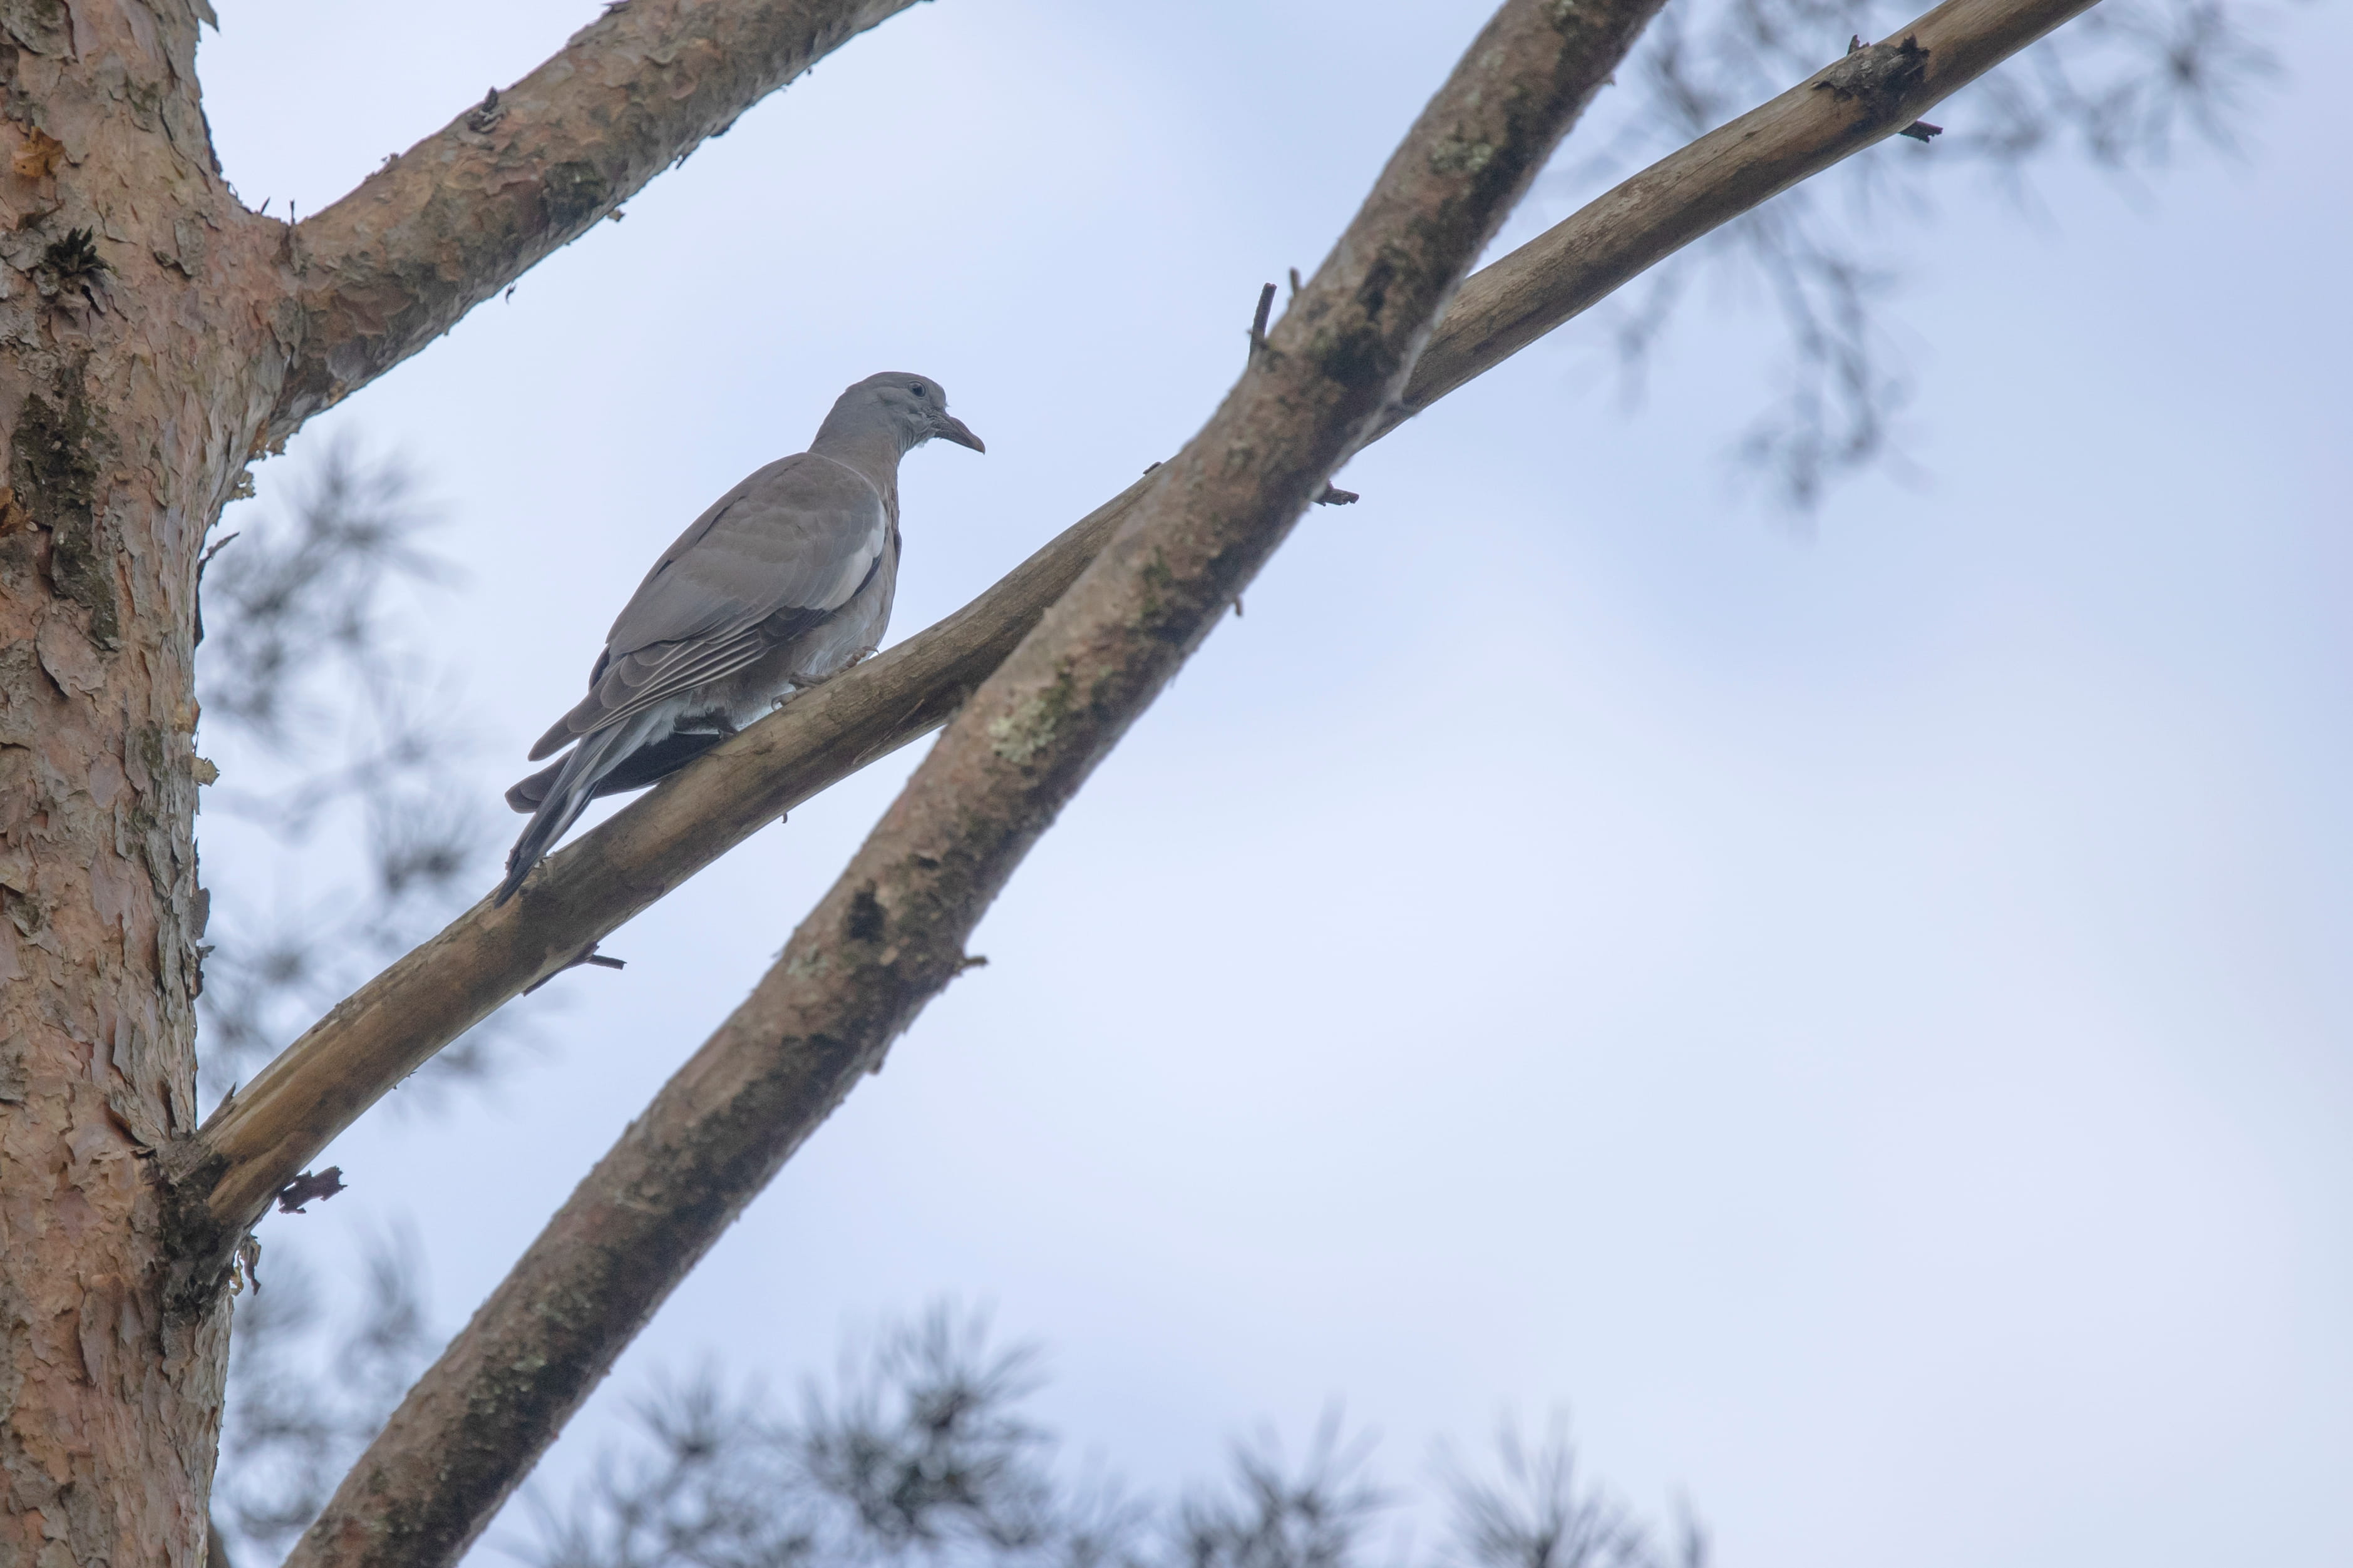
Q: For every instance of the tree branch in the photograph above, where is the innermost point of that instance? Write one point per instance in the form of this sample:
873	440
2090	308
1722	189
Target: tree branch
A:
891	933
1861	98
256	1143
467	210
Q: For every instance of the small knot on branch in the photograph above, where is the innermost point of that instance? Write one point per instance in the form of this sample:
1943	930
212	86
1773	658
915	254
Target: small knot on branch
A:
305	1187
1921	131
1258	321
587	956
1335	496
1879	74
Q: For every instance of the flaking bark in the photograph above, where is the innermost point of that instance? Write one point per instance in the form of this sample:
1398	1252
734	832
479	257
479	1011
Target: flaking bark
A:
369	1043
891	933
138	335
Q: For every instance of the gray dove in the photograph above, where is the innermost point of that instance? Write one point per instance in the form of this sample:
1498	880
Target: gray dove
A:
786	580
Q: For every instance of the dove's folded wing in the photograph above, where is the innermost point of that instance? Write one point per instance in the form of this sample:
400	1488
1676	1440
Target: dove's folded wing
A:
773	559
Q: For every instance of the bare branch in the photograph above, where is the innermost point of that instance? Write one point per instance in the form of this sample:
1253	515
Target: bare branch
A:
467	211
890	934
1870	94
353	1056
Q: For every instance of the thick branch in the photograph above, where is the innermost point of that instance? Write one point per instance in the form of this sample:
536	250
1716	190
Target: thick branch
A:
467	210
353	1056
890	934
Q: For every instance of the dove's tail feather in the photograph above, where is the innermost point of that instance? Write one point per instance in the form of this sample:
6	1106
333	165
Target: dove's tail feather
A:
567	794
648	764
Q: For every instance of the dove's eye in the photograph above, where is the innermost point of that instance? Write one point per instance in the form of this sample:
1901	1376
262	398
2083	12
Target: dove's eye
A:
917	389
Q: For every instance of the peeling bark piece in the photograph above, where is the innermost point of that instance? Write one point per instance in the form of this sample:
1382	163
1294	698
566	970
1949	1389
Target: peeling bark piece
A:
43	26
56	452
69	657
36	158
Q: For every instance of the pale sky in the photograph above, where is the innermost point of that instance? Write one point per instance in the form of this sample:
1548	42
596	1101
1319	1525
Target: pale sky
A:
1858	1013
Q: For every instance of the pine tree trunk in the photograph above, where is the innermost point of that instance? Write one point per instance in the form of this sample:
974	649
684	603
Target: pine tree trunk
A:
139	356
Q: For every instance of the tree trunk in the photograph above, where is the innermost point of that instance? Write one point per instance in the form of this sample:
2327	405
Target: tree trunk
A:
136	364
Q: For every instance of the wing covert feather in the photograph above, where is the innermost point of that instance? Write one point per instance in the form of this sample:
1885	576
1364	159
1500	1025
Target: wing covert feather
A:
770	559
801	533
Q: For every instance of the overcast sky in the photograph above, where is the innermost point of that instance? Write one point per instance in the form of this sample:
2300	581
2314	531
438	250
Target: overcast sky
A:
1858	1013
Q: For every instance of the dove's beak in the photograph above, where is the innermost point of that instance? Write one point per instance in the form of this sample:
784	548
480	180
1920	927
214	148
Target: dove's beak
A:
951	428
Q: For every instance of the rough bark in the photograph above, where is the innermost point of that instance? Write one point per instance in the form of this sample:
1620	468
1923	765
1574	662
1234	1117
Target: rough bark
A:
148	327
137	336
390	1026
891	933
466	211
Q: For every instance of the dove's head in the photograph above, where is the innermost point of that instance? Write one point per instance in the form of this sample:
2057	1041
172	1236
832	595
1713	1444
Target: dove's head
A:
912	406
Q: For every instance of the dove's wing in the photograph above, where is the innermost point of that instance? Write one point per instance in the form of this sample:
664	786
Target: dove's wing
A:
776	555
